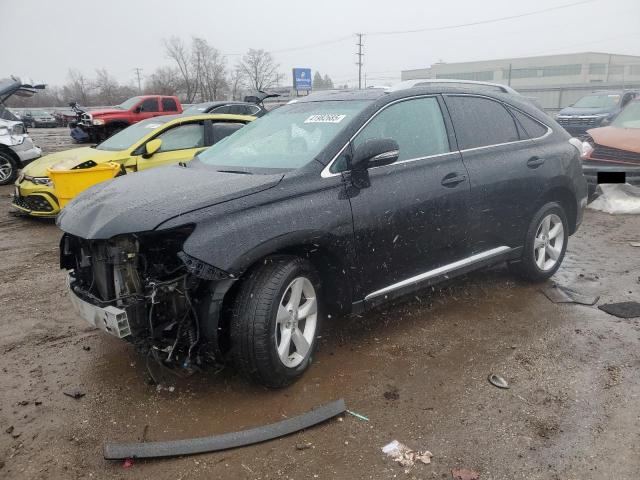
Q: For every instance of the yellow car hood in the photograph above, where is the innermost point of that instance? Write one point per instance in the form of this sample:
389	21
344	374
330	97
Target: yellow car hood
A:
69	159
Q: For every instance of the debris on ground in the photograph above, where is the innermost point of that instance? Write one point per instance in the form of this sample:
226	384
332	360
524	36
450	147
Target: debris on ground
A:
561	294
357	415
622	309
497	381
617	198
86	348
191	446
76	393
127	463
464	474
406	457
9	430
304	446
392	394
634	244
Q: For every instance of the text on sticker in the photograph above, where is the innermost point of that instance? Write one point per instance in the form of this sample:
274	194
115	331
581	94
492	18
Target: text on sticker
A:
325	118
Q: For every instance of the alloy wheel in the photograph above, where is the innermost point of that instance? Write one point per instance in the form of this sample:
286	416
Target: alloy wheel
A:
548	243
6	169
296	322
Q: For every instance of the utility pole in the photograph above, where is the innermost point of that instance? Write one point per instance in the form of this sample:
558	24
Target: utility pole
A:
138	71
359	62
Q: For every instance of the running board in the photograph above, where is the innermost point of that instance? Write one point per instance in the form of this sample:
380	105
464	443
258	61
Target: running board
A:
440	271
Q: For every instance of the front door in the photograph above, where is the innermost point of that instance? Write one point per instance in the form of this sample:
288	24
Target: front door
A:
179	144
412	217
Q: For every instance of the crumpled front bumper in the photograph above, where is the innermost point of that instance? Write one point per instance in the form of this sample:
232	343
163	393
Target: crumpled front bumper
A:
109	319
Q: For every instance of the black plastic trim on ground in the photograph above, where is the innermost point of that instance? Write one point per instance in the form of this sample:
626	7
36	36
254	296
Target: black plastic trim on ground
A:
119	451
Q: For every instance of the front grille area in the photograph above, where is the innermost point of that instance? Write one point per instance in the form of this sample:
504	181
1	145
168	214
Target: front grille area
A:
577	121
34	203
609	153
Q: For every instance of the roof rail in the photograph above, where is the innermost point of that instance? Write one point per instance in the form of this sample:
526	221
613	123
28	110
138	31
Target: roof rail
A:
423	82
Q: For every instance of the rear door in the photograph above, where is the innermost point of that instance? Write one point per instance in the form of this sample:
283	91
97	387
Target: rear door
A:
508	170
412	218
179	144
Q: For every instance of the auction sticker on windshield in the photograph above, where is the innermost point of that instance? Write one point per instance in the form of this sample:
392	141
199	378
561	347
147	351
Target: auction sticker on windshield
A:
325	118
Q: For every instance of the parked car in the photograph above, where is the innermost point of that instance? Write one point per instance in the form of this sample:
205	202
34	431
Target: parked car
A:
593	110
64	117
98	125
16	146
147	144
334	203
38	118
614	148
236	108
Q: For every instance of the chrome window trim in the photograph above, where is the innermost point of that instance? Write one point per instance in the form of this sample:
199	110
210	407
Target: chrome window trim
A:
440	270
326	171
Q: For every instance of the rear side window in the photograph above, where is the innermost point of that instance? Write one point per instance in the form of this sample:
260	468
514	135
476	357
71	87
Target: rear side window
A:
169	105
416	125
530	127
222	109
149	105
480	122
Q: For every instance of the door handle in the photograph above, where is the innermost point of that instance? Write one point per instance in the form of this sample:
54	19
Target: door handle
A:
453	179
535	162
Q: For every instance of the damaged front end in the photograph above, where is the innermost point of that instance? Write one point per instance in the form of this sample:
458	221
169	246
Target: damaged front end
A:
143	288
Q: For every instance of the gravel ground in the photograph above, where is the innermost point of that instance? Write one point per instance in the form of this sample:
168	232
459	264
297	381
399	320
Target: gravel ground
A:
418	369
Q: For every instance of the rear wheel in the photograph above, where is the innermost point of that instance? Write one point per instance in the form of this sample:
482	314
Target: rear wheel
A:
8	168
545	244
275	321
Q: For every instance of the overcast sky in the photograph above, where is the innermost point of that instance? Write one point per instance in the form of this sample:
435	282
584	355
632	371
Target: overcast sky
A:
42	40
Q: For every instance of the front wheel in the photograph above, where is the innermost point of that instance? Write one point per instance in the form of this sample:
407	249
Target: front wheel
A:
545	244
275	321
8	169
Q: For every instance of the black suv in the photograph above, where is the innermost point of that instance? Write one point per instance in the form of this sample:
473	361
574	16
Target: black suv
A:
333	203
597	109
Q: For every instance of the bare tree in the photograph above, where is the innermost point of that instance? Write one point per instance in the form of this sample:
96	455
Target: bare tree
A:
260	69
236	82
177	51
164	81
212	70
78	88
107	87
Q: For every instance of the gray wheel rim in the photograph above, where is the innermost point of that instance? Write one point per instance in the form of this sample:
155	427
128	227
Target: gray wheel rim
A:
296	322
6	168
548	242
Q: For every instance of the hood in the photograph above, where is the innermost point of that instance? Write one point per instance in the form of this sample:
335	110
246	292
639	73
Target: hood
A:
615	137
587	111
68	159
106	111
8	123
142	201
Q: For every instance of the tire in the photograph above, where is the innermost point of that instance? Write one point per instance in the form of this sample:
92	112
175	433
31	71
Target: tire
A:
8	168
262	321
537	263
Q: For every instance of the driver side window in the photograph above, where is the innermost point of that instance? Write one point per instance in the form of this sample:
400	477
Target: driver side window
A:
182	137
417	125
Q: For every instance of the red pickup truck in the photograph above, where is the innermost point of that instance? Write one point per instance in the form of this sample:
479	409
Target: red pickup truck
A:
98	125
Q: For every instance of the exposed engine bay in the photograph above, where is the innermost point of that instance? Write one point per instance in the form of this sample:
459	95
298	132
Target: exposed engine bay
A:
161	299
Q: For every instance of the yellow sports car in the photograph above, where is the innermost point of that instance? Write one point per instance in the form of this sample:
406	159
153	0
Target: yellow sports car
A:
147	144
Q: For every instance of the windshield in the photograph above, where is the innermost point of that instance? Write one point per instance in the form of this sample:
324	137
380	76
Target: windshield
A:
126	138
598	101
127	104
629	117
288	138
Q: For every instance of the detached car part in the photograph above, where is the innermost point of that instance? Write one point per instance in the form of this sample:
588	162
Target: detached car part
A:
119	451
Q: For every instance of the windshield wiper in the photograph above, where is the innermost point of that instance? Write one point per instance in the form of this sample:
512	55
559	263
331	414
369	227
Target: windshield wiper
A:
235	171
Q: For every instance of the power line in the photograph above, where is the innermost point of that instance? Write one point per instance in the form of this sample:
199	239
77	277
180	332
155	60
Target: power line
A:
481	22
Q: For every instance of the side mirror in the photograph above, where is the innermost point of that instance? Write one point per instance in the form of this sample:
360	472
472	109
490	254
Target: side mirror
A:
375	152
138	109
151	147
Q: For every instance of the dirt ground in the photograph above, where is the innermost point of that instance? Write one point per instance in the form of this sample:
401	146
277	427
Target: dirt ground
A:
418	369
